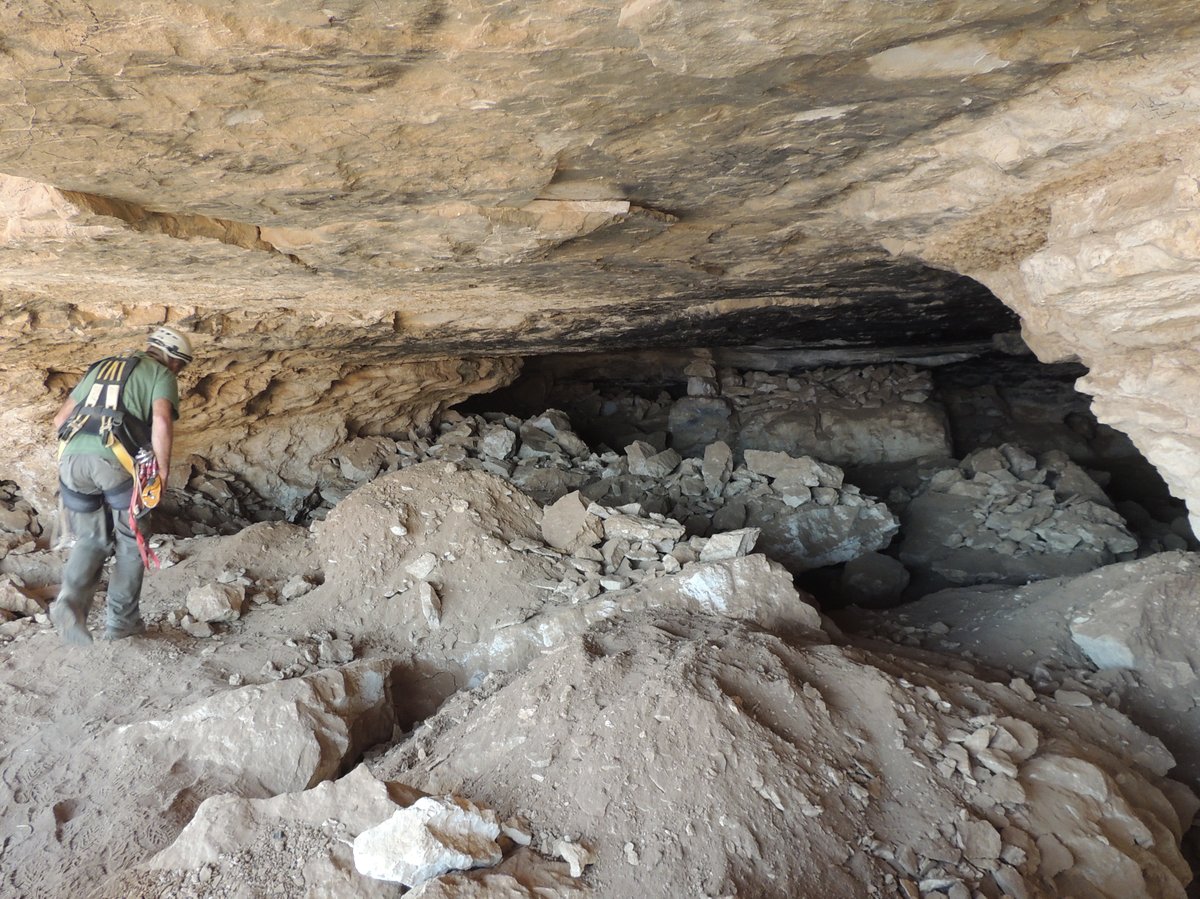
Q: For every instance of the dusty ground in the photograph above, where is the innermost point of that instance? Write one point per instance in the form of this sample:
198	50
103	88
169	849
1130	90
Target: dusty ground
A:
683	745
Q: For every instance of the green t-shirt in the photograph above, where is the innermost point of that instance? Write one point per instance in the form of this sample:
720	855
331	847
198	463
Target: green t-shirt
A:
150	380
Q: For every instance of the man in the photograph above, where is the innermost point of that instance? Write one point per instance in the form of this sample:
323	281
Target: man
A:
123	403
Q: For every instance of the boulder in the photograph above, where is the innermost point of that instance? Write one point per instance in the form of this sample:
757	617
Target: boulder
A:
568	526
273	738
813	536
224	825
216	602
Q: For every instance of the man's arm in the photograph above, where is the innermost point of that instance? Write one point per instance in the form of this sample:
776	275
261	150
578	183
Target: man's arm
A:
64	413
162	429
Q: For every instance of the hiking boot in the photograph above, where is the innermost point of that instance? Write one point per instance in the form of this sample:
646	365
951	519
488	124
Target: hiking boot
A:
120	633
69	624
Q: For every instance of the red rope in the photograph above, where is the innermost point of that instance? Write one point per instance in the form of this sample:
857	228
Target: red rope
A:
147	553
141	475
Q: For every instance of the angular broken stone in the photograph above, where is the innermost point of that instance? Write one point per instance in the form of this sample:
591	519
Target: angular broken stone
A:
552	421
980	842
633	527
295	586
216	602
717	466
199	629
577	855
656	465
729	545
422	566
803	470
13	599
825	496
430	837
572	444
335	652
536	443
568	526
431	604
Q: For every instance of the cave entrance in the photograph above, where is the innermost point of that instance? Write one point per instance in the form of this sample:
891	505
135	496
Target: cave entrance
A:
928	469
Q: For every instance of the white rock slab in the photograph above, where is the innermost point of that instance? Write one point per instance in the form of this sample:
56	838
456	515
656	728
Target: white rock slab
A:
430	837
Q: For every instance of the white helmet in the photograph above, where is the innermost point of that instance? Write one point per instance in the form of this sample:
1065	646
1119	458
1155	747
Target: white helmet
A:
171	343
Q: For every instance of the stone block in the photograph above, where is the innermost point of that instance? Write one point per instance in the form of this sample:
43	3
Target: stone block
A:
568	526
717	466
729	545
216	602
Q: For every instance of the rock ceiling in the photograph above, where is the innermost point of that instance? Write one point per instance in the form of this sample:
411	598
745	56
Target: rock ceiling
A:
363	207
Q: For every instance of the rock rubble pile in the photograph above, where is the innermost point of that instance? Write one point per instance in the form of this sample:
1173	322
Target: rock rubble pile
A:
1121	635
662	707
213	502
511	579
806	514
1005	515
20	525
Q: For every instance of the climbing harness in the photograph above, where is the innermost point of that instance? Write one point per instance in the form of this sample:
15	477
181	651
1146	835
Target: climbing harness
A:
103	412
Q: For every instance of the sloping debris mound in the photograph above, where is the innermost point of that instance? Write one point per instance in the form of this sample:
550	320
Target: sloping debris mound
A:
275	737
694	757
1004	516
1123	634
808	516
281	846
465	572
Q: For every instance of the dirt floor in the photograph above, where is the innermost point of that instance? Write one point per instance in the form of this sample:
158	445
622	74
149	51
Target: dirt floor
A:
692	731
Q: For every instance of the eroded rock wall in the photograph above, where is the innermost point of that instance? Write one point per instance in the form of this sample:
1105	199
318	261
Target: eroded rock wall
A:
479	180
1077	206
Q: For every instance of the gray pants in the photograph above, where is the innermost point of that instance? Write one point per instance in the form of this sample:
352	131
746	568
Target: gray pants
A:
109	487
